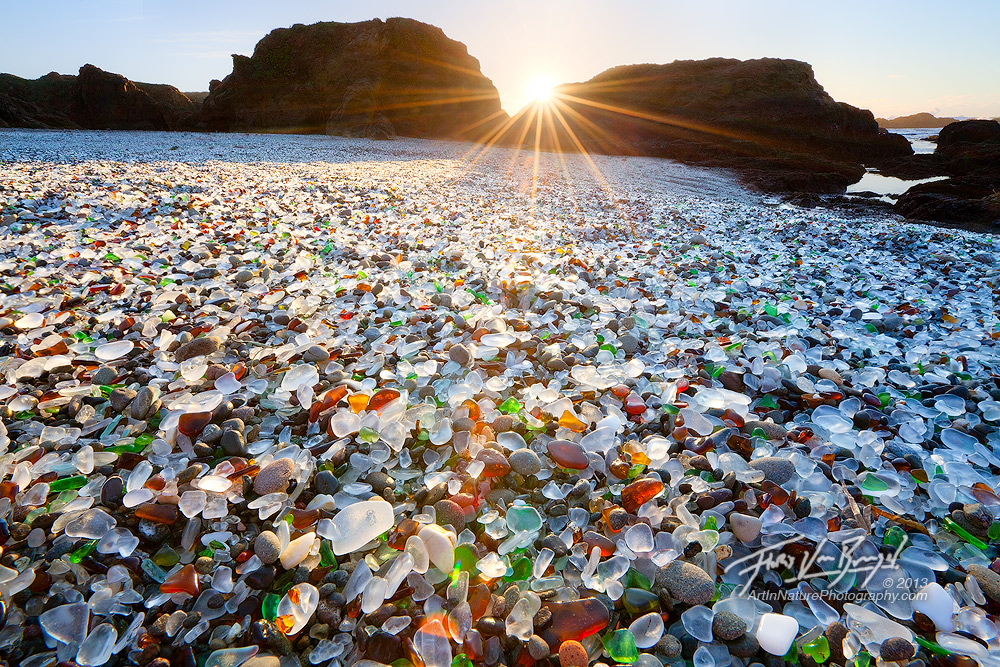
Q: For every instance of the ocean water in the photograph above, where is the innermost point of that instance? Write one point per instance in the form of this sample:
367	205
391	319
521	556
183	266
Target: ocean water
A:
919	138
889	187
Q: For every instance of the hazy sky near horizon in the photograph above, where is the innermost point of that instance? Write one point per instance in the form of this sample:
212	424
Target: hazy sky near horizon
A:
893	57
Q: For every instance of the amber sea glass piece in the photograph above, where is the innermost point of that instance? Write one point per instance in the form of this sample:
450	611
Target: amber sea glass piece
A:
570	421
382	398
639	492
192	423
184	580
157	513
358	402
634	405
594	539
472	407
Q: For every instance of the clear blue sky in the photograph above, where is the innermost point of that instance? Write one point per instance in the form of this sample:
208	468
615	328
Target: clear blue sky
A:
893	57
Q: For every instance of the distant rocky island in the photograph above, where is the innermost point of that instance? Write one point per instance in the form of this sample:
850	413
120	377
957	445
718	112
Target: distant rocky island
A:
916	120
769	120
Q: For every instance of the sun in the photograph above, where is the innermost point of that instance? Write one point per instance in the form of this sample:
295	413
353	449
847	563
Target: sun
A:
540	89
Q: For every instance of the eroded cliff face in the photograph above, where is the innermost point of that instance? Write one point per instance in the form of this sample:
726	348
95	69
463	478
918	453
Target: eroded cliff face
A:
93	99
373	79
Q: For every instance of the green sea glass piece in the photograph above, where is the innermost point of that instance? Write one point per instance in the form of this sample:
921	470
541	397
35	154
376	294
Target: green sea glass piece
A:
818	649
620	645
84	551
65	483
269	607
873	483
894	537
510	406
963	533
166	557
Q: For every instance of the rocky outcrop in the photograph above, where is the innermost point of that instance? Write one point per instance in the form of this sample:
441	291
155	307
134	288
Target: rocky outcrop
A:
769	119
916	120
38	103
103	100
967	134
371	79
94	99
968	152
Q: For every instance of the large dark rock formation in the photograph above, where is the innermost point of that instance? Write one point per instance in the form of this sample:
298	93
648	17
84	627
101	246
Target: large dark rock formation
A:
371	79
916	120
94	99
968	152
768	118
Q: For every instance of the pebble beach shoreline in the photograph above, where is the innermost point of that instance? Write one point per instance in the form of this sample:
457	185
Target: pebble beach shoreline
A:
284	400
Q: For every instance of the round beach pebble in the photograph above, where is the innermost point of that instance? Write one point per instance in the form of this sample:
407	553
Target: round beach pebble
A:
771	430
572	654
746	528
538	648
104	375
775	469
896	649
669	646
460	355
267	546
450	513
525	462
198	347
686	582
315	354
728	626
273	477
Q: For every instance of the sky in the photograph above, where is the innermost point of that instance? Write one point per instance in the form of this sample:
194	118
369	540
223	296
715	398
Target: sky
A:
893	57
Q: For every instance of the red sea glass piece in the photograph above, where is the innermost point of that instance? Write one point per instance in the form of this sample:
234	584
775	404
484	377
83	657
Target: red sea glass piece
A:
594	539
634	405
575	620
192	423
639	492
495	462
568	454
184	580
479	600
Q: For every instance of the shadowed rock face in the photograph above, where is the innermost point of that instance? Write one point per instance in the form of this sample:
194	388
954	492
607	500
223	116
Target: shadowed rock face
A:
94	99
968	152
371	79
768	118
